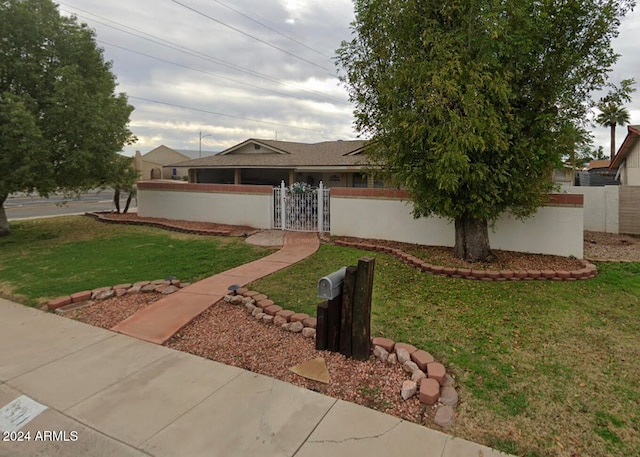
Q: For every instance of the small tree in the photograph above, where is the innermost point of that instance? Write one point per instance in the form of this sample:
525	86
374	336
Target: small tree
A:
612	113
61	122
124	178
465	101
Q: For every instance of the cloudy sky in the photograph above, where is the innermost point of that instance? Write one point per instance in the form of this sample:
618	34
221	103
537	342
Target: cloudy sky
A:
235	69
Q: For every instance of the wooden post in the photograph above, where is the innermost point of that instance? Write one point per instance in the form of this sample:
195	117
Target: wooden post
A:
322	327
361	342
346	316
333	337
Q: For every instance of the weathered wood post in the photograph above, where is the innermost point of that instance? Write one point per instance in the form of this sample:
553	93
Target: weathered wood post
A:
346	318
322	328
361	342
333	338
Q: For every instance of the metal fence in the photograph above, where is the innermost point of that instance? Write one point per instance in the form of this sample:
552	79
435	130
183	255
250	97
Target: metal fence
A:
301	208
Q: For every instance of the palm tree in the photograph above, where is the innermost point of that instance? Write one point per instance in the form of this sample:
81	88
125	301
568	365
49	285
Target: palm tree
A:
612	114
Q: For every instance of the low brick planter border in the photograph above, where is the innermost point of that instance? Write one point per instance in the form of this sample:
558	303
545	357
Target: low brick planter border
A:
163	225
588	270
429	379
78	299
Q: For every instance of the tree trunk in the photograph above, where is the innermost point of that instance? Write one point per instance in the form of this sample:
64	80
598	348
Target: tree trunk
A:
126	206
5	230
472	239
613	141
116	199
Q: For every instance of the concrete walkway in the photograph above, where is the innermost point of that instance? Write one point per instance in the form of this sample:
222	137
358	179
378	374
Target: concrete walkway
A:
163	319
106	394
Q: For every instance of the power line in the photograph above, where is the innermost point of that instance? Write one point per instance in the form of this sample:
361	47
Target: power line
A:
272	29
174	105
251	36
215	75
194	53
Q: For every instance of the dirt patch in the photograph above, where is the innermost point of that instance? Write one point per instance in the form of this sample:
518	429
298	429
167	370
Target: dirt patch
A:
611	247
108	313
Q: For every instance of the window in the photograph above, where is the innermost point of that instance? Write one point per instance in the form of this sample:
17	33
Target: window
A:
359	180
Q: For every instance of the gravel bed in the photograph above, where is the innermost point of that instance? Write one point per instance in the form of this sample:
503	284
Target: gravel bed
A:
108	313
228	334
611	247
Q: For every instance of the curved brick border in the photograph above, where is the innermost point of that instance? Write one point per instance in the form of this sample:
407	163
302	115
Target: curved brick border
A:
429	379
69	302
588	270
163	225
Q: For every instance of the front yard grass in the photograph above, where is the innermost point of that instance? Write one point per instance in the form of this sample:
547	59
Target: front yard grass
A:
543	368
47	258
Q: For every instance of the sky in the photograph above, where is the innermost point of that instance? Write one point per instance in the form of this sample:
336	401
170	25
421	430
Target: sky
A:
211	73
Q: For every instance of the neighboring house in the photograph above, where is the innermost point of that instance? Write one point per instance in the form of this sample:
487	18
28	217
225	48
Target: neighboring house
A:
152	164
627	160
267	162
598	174
563	175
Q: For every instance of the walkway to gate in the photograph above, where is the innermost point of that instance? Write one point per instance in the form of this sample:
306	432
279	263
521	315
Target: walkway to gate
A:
161	320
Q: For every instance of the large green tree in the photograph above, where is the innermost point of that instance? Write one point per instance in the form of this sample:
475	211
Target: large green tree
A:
465	101
61	121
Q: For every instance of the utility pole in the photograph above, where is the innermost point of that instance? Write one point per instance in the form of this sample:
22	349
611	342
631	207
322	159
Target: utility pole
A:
200	144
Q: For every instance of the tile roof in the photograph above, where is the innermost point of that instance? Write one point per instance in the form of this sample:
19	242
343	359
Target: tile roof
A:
285	154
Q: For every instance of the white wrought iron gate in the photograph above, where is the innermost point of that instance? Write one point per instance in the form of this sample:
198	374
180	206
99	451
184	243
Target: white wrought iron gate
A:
301	208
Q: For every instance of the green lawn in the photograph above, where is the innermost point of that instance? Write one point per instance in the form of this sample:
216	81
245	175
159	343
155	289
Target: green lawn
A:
543	368
47	258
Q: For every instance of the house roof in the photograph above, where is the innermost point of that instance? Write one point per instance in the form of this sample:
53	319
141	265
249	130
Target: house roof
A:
284	154
633	135
191	154
604	163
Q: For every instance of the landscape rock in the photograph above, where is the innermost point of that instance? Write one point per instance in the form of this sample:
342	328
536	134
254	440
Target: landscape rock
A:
236	300
256	311
418	376
134	289
380	353
267	319
296	327
105	294
249	307
171	289
140	284
410	367
408	390
250	300
444	417
403	355
259	315
449	396
279	320
120	292
148	288
448	381
309	332
393	359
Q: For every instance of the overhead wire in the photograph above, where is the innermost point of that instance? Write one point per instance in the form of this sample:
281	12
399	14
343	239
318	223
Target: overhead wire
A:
211	18
194	53
272	29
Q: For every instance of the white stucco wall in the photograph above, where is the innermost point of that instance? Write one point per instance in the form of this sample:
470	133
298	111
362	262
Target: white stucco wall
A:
555	230
253	210
601	207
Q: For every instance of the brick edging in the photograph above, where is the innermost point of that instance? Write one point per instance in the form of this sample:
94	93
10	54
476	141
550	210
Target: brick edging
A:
163	225
429	379
588	270
66	302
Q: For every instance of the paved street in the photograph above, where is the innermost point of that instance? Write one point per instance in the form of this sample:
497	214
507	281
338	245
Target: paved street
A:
22	206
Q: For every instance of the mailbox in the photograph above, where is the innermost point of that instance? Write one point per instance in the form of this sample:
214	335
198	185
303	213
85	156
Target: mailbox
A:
330	286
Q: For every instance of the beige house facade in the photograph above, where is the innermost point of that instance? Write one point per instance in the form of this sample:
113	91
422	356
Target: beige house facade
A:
627	160
268	162
153	164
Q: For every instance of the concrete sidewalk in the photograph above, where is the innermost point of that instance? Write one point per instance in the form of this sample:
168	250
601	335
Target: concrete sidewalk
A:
161	320
129	398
